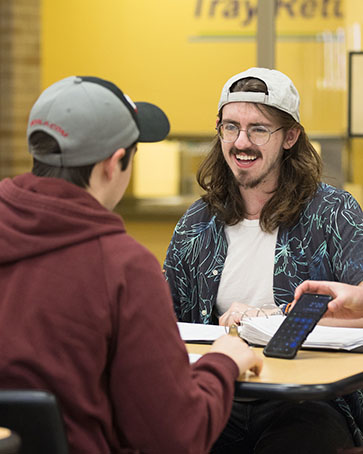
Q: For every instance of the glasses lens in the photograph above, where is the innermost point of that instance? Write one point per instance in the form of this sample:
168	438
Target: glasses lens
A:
228	132
259	135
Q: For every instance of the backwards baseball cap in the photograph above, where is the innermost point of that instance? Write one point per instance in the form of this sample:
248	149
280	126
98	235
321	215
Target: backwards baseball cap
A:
281	92
91	118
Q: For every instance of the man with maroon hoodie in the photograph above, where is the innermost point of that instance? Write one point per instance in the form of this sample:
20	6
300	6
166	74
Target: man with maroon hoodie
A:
84	311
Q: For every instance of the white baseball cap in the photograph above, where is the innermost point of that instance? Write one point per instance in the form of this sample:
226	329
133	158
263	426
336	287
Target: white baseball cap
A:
281	92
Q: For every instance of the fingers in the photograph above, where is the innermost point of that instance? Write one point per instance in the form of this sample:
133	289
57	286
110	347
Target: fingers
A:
235	314
333	306
257	367
322	287
231	317
244	357
306	287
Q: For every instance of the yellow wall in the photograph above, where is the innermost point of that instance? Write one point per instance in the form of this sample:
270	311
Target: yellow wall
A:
148	181
354	18
178	53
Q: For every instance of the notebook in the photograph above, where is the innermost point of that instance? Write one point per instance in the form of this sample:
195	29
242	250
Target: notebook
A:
257	331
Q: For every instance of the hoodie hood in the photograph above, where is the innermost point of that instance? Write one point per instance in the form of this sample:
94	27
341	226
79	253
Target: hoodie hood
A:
39	215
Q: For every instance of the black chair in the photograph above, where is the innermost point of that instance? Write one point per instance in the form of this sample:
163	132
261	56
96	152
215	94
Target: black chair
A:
36	418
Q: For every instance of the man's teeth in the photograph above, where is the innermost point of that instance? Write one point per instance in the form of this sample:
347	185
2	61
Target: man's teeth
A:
243	157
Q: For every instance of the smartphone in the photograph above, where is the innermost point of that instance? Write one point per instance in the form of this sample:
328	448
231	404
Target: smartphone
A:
302	319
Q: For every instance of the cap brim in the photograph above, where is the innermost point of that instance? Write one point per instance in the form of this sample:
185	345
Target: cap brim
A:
153	123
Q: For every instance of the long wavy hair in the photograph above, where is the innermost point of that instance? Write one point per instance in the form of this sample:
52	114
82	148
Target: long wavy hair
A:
300	174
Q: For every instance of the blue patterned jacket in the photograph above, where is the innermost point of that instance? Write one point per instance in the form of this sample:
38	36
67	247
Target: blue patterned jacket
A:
325	244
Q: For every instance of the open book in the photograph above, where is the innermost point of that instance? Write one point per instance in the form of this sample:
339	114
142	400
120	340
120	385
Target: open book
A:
258	331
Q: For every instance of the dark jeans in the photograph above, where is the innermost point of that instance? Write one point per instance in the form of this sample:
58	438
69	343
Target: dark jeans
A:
283	427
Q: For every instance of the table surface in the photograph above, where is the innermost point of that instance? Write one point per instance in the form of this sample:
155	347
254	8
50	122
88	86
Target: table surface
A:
312	374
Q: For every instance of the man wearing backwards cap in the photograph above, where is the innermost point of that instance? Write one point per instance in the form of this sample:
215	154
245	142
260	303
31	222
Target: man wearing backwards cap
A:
265	224
85	311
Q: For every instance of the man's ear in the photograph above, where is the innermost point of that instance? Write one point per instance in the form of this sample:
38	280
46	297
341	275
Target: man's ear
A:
291	138
110	163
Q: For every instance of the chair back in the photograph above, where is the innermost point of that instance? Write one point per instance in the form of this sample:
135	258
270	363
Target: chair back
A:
36	418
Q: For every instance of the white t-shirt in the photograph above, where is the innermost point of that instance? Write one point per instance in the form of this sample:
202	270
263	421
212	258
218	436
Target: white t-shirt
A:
247	275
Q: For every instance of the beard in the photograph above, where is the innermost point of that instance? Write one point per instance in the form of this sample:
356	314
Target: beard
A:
252	183
247	182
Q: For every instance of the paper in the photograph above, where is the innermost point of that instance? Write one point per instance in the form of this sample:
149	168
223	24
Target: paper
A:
199	333
193	357
259	330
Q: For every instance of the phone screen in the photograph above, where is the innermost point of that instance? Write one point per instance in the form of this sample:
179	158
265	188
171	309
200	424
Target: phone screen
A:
297	325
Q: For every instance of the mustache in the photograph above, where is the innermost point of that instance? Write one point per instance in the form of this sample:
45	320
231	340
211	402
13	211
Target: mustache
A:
246	151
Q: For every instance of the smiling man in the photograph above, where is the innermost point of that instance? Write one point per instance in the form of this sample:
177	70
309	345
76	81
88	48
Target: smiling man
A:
264	224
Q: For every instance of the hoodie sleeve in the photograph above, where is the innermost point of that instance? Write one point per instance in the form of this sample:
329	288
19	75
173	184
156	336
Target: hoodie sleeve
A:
161	403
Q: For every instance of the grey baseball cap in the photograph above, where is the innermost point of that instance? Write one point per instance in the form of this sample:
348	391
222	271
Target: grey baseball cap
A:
91	118
281	92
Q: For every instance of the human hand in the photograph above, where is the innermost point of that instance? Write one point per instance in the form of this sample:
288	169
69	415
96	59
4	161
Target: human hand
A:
237	311
347	302
239	352
234	314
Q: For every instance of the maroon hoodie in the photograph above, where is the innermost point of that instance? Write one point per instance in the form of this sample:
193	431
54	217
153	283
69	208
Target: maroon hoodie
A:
86	314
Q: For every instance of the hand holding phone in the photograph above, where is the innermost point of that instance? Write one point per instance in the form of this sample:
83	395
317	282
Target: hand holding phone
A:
300	321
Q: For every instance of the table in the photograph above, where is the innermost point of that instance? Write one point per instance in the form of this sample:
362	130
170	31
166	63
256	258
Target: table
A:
311	375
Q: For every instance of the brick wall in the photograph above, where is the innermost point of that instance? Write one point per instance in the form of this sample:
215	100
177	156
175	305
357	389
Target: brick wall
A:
19	80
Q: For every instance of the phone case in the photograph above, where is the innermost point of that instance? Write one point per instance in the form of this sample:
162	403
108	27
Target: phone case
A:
296	327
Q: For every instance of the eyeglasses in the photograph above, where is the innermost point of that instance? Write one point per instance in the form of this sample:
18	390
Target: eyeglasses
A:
258	135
